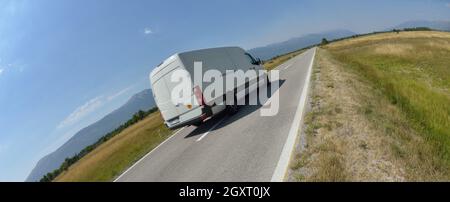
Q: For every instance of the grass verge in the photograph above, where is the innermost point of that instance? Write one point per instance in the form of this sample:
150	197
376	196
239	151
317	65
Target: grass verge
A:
278	60
379	110
114	156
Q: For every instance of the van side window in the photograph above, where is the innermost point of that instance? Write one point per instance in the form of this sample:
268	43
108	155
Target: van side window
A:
250	58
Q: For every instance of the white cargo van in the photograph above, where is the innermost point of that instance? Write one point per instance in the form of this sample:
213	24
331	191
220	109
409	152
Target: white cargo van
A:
221	59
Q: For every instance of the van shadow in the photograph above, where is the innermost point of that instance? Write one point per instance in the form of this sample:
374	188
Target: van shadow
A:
244	110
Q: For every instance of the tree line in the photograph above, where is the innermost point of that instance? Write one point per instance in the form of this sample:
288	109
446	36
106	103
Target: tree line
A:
325	41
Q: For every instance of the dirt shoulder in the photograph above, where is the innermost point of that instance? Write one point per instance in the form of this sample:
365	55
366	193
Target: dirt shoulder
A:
341	142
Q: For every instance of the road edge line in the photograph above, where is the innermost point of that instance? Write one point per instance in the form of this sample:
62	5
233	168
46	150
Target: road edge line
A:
212	128
285	157
148	154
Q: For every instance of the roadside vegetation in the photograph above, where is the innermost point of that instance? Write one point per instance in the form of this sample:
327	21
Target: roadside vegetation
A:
114	152
111	158
379	110
278	60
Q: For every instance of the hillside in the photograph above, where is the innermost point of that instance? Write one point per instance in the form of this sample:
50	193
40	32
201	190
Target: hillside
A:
90	134
291	45
379	110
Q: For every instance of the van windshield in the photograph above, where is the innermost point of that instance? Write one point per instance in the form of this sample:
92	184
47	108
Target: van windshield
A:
250	58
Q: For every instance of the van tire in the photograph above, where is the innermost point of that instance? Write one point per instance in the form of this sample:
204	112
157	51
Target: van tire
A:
268	83
233	109
197	124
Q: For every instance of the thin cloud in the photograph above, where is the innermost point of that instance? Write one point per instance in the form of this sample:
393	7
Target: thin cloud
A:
89	107
82	111
447	5
148	31
114	96
11	67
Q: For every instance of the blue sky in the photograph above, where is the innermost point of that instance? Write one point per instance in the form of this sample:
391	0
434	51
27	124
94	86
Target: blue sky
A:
65	64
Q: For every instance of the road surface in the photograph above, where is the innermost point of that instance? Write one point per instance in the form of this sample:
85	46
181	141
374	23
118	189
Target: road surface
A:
243	147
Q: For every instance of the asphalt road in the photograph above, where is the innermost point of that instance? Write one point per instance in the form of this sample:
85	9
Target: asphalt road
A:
243	147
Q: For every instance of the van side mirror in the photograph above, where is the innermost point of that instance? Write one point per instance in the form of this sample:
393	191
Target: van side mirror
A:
257	61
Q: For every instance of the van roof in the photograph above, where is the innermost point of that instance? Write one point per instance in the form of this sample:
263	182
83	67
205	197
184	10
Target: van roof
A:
164	64
205	49
176	56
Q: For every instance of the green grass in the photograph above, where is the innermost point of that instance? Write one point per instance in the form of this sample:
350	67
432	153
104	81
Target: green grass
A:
413	72
117	154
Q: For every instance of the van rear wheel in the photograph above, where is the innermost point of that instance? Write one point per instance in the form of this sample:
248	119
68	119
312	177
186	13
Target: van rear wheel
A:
233	108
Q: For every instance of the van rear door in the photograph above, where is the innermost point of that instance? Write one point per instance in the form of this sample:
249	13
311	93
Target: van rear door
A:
180	108
163	99
163	87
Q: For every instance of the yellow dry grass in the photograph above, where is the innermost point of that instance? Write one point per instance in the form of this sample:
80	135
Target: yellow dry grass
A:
394	49
275	62
342	144
387	36
112	157
379	110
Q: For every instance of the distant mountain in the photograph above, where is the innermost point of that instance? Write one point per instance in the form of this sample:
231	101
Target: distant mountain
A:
437	25
92	133
272	50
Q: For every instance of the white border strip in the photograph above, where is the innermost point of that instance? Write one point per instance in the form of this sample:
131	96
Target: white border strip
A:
212	128
287	67
285	157
148	154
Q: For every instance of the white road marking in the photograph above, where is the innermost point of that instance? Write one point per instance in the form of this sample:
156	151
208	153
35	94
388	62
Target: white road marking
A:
212	128
285	157
287	67
148	154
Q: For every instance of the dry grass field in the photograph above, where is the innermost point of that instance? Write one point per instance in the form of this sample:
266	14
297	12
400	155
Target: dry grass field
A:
114	156
276	61
380	110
